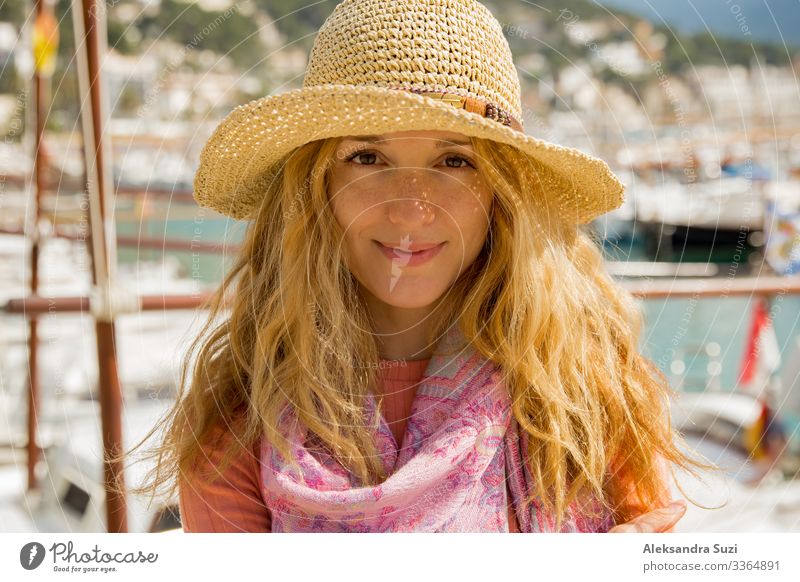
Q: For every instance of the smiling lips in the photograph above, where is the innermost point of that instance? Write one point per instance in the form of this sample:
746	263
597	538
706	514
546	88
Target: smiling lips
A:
413	254
411	247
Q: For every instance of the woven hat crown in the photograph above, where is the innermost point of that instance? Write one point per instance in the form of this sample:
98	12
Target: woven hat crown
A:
455	46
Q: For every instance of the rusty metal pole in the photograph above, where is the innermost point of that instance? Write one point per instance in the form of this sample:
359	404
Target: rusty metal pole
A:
45	47
90	45
39	90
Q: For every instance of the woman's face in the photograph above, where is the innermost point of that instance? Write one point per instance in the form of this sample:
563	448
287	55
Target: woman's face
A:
414	211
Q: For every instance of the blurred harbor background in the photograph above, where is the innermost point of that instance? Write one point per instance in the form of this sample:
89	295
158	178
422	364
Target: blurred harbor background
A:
695	105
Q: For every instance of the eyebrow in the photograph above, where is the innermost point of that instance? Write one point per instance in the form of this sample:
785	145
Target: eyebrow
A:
438	144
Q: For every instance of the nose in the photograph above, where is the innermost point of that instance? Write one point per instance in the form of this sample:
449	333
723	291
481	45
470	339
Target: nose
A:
409	198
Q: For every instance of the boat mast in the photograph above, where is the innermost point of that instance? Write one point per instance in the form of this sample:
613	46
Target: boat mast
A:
45	41
90	45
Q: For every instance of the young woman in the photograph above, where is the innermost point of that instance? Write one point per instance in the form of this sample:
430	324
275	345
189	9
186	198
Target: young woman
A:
417	334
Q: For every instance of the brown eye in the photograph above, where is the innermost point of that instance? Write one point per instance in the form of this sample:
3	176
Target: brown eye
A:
360	154
458	159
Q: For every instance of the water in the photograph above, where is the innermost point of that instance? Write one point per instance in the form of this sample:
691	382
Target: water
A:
200	266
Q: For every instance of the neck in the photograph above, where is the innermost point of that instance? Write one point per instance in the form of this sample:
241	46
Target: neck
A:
400	332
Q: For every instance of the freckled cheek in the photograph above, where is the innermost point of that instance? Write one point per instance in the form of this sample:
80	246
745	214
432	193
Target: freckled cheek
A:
472	231
352	206
471	222
355	215
469	205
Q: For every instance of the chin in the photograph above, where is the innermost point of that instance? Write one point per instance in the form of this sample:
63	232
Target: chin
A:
407	296
407	303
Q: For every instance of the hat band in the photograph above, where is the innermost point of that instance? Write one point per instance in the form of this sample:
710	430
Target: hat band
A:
472	104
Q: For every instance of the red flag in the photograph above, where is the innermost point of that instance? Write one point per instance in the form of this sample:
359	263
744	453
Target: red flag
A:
762	354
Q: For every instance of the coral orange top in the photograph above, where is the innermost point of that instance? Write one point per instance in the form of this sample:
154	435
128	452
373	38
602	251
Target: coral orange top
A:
233	502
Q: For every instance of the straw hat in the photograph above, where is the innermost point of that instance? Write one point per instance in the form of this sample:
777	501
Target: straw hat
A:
380	66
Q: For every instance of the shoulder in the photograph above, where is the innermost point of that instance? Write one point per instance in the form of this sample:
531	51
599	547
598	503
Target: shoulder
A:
214	498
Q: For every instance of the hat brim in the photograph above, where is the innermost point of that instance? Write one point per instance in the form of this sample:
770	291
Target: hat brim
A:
240	159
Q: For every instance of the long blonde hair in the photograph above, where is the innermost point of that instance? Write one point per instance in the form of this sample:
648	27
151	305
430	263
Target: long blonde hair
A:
537	301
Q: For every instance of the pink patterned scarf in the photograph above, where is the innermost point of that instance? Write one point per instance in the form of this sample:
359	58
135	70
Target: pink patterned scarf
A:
460	445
